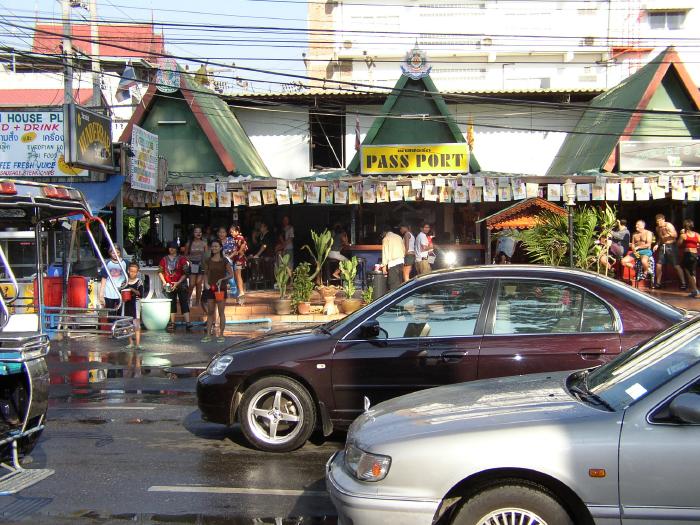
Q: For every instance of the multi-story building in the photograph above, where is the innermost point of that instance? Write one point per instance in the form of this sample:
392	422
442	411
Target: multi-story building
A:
499	45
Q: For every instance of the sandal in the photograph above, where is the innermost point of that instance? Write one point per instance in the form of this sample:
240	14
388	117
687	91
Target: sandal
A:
206	339
221	339
188	327
170	327
241	299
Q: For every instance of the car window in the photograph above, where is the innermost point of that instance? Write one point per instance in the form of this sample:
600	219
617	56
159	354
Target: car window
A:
534	307
436	310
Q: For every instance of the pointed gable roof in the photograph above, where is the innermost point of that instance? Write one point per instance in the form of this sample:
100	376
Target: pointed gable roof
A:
221	127
413	97
521	215
592	144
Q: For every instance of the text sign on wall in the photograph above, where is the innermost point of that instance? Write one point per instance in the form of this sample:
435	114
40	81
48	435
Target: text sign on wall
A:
415	159
90	140
31	145
659	155
144	163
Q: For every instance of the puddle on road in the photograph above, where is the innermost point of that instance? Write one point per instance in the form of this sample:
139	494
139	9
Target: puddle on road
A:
96	518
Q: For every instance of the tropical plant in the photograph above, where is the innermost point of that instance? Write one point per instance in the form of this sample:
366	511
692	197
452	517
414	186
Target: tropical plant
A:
348	271
282	274
302	284
547	242
367	295
322	247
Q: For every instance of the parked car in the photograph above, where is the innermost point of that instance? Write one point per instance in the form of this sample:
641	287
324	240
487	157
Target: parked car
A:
616	444
442	328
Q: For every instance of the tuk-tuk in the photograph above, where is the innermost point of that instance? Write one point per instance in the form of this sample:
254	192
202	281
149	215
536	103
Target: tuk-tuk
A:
30	213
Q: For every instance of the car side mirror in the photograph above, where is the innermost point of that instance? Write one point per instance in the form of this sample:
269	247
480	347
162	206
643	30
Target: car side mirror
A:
686	407
369	329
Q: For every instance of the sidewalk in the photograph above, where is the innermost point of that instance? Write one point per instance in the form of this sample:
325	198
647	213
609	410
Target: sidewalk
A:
676	297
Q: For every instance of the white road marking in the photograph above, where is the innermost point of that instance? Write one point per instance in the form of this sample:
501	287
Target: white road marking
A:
235	490
103	408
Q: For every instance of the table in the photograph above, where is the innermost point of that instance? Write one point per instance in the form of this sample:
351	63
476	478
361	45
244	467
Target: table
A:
155	289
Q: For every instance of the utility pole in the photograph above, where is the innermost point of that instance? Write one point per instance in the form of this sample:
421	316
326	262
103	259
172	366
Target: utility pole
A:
95	55
67	67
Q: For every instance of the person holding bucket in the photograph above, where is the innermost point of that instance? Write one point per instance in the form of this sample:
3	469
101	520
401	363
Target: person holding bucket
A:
131	294
217	272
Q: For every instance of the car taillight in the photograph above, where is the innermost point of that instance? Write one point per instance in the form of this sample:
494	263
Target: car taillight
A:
62	193
52	192
8	188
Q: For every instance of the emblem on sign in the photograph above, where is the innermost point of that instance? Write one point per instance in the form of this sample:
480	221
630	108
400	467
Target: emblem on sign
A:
416	64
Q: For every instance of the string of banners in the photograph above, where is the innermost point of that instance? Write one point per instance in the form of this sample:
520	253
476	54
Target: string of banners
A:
461	190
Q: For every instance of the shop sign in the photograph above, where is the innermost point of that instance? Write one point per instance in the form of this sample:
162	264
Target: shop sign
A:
675	155
415	159
31	145
88	139
144	163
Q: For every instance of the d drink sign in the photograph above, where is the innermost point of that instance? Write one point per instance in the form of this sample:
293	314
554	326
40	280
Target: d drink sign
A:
415	159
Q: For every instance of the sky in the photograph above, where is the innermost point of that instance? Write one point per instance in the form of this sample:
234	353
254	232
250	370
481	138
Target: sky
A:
212	30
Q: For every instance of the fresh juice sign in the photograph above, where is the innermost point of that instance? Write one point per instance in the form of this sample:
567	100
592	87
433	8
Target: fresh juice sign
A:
31	145
415	159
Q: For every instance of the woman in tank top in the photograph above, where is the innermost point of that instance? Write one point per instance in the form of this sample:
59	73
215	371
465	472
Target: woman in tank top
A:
688	240
195	251
217	272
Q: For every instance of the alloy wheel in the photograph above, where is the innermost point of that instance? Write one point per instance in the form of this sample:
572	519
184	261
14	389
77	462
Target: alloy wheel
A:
275	415
511	516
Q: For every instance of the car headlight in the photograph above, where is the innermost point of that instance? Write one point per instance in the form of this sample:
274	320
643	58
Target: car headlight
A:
218	365
365	466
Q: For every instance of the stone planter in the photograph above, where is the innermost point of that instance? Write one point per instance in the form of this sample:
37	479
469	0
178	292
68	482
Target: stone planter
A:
155	313
328	294
304	308
282	306
349	306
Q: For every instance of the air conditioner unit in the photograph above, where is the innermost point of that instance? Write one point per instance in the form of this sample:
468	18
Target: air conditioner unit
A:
588	78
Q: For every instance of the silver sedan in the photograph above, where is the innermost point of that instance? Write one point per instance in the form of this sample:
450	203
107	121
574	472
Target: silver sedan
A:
619	444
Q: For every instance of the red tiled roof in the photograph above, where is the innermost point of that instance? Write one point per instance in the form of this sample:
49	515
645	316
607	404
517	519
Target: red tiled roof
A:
522	215
140	40
40	97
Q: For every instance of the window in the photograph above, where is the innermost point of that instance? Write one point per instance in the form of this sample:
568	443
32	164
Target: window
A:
438	310
536	307
327	134
666	19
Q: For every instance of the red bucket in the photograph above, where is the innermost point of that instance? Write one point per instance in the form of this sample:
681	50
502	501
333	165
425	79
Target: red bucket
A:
126	295
219	296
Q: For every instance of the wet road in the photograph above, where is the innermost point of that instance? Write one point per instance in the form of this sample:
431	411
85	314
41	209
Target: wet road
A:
128	445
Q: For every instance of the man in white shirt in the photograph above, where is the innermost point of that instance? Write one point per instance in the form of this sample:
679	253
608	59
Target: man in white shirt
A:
423	246
392	258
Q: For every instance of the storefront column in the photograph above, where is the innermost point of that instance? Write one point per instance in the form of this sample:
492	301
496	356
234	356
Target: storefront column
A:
119	217
448	220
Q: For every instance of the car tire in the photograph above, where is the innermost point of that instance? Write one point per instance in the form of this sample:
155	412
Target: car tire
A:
512	504
277	414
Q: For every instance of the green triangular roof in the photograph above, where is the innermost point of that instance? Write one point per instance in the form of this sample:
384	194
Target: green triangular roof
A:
413	97
221	127
591	146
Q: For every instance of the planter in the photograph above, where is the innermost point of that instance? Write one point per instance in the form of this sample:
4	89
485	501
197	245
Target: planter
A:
349	306
283	306
304	308
328	295
155	313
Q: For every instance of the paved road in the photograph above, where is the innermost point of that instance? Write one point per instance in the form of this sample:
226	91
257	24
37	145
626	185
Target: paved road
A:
128	445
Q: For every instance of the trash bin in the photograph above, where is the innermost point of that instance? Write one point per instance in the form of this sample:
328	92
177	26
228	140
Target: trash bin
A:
378	283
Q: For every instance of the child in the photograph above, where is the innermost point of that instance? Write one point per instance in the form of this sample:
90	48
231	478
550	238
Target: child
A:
131	307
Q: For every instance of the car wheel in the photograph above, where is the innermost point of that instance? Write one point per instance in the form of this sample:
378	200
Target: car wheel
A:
277	414
512	505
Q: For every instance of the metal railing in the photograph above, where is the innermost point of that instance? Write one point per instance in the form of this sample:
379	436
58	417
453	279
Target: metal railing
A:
19	348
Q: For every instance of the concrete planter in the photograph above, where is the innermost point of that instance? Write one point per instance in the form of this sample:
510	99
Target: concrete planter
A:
349	306
155	313
283	306
304	308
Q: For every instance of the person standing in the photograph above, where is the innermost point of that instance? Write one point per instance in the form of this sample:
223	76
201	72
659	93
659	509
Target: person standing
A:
172	274
288	232
688	241
109	296
666	251
195	251
423	247
238	259
340	239
409	244
506	245
217	272
392	257
131	306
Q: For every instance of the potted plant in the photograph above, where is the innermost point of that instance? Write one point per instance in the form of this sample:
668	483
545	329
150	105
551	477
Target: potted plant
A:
302	288
322	247
348	271
283	305
367	295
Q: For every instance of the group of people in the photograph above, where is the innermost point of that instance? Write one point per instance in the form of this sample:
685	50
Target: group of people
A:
403	252
642	247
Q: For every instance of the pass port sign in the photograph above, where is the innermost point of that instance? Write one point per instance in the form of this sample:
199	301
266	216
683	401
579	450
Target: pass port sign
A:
415	159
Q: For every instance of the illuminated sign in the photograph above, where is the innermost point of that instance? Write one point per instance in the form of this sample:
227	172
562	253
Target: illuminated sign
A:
415	159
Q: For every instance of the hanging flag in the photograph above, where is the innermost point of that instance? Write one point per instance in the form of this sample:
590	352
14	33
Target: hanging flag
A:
357	133
470	133
127	81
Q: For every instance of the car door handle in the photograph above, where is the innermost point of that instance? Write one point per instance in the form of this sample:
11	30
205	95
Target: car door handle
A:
592	354
453	355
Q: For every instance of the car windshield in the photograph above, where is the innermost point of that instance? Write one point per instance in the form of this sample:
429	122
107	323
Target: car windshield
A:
635	373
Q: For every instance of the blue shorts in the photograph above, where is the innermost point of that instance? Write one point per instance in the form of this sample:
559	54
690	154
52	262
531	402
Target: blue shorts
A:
645	251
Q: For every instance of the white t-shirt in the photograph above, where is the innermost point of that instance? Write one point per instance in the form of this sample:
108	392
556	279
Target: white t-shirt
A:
422	240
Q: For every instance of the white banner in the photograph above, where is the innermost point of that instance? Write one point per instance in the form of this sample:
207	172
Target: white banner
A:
144	163
31	145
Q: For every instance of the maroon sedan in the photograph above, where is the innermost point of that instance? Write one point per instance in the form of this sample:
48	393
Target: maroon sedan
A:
444	327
